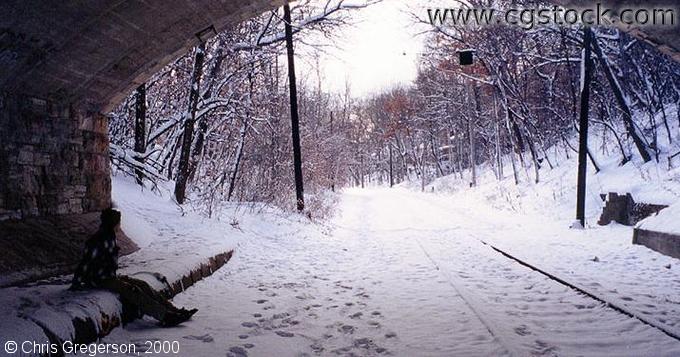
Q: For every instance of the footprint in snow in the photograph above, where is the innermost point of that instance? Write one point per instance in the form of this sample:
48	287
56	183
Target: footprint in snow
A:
522	330
285	334
363	342
356	315
280	315
317	348
349	329
543	348
237	351
374	323
203	338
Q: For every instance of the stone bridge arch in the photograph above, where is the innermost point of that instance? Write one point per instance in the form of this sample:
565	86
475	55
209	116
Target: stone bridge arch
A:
63	64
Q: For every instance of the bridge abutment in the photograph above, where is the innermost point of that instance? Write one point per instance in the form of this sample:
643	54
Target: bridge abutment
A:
53	158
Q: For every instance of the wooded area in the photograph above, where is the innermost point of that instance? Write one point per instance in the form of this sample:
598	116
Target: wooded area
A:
216	121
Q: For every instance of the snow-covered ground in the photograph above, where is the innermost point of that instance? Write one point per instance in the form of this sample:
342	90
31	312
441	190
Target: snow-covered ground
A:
172	244
404	273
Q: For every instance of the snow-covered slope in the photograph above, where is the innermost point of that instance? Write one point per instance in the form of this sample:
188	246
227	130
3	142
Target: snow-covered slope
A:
531	221
555	194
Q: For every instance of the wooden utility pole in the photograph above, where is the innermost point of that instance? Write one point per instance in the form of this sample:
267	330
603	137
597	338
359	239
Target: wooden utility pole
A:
295	121
140	128
583	128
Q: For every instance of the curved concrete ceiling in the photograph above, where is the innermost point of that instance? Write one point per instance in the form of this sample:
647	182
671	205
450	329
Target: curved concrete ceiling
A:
96	51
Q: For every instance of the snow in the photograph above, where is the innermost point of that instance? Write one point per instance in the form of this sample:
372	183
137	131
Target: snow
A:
404	273
172	243
400	272
23	310
665	221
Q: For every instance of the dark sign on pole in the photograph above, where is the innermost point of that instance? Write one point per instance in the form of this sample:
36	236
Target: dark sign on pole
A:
465	57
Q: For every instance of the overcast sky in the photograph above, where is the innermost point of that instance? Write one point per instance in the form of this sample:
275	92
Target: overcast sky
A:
379	51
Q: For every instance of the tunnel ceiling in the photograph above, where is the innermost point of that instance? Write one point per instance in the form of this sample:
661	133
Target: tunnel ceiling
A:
96	51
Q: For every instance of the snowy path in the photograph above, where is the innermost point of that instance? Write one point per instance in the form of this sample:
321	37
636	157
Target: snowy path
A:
396	275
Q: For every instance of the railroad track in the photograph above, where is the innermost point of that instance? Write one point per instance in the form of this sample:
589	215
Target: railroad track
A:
587	293
494	327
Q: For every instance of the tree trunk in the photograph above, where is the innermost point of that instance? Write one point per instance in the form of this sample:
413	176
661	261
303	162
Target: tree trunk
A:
534	157
508	124
295	122
140	128
473	167
237	163
512	160
619	95
333	165
435	156
665	123
361	169
391	165
203	124
459	156
499	151
188	135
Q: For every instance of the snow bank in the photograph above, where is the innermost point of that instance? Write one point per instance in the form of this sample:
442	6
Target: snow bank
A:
174	243
666	221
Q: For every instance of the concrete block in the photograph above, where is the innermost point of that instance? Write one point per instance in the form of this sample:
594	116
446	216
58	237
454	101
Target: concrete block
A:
664	243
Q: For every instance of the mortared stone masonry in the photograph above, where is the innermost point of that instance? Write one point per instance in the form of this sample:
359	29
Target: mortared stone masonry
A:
53	158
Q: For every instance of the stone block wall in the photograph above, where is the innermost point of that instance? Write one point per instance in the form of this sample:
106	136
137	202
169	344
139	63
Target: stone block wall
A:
624	210
53	158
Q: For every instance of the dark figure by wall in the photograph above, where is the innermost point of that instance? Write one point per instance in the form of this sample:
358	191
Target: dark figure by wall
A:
98	267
